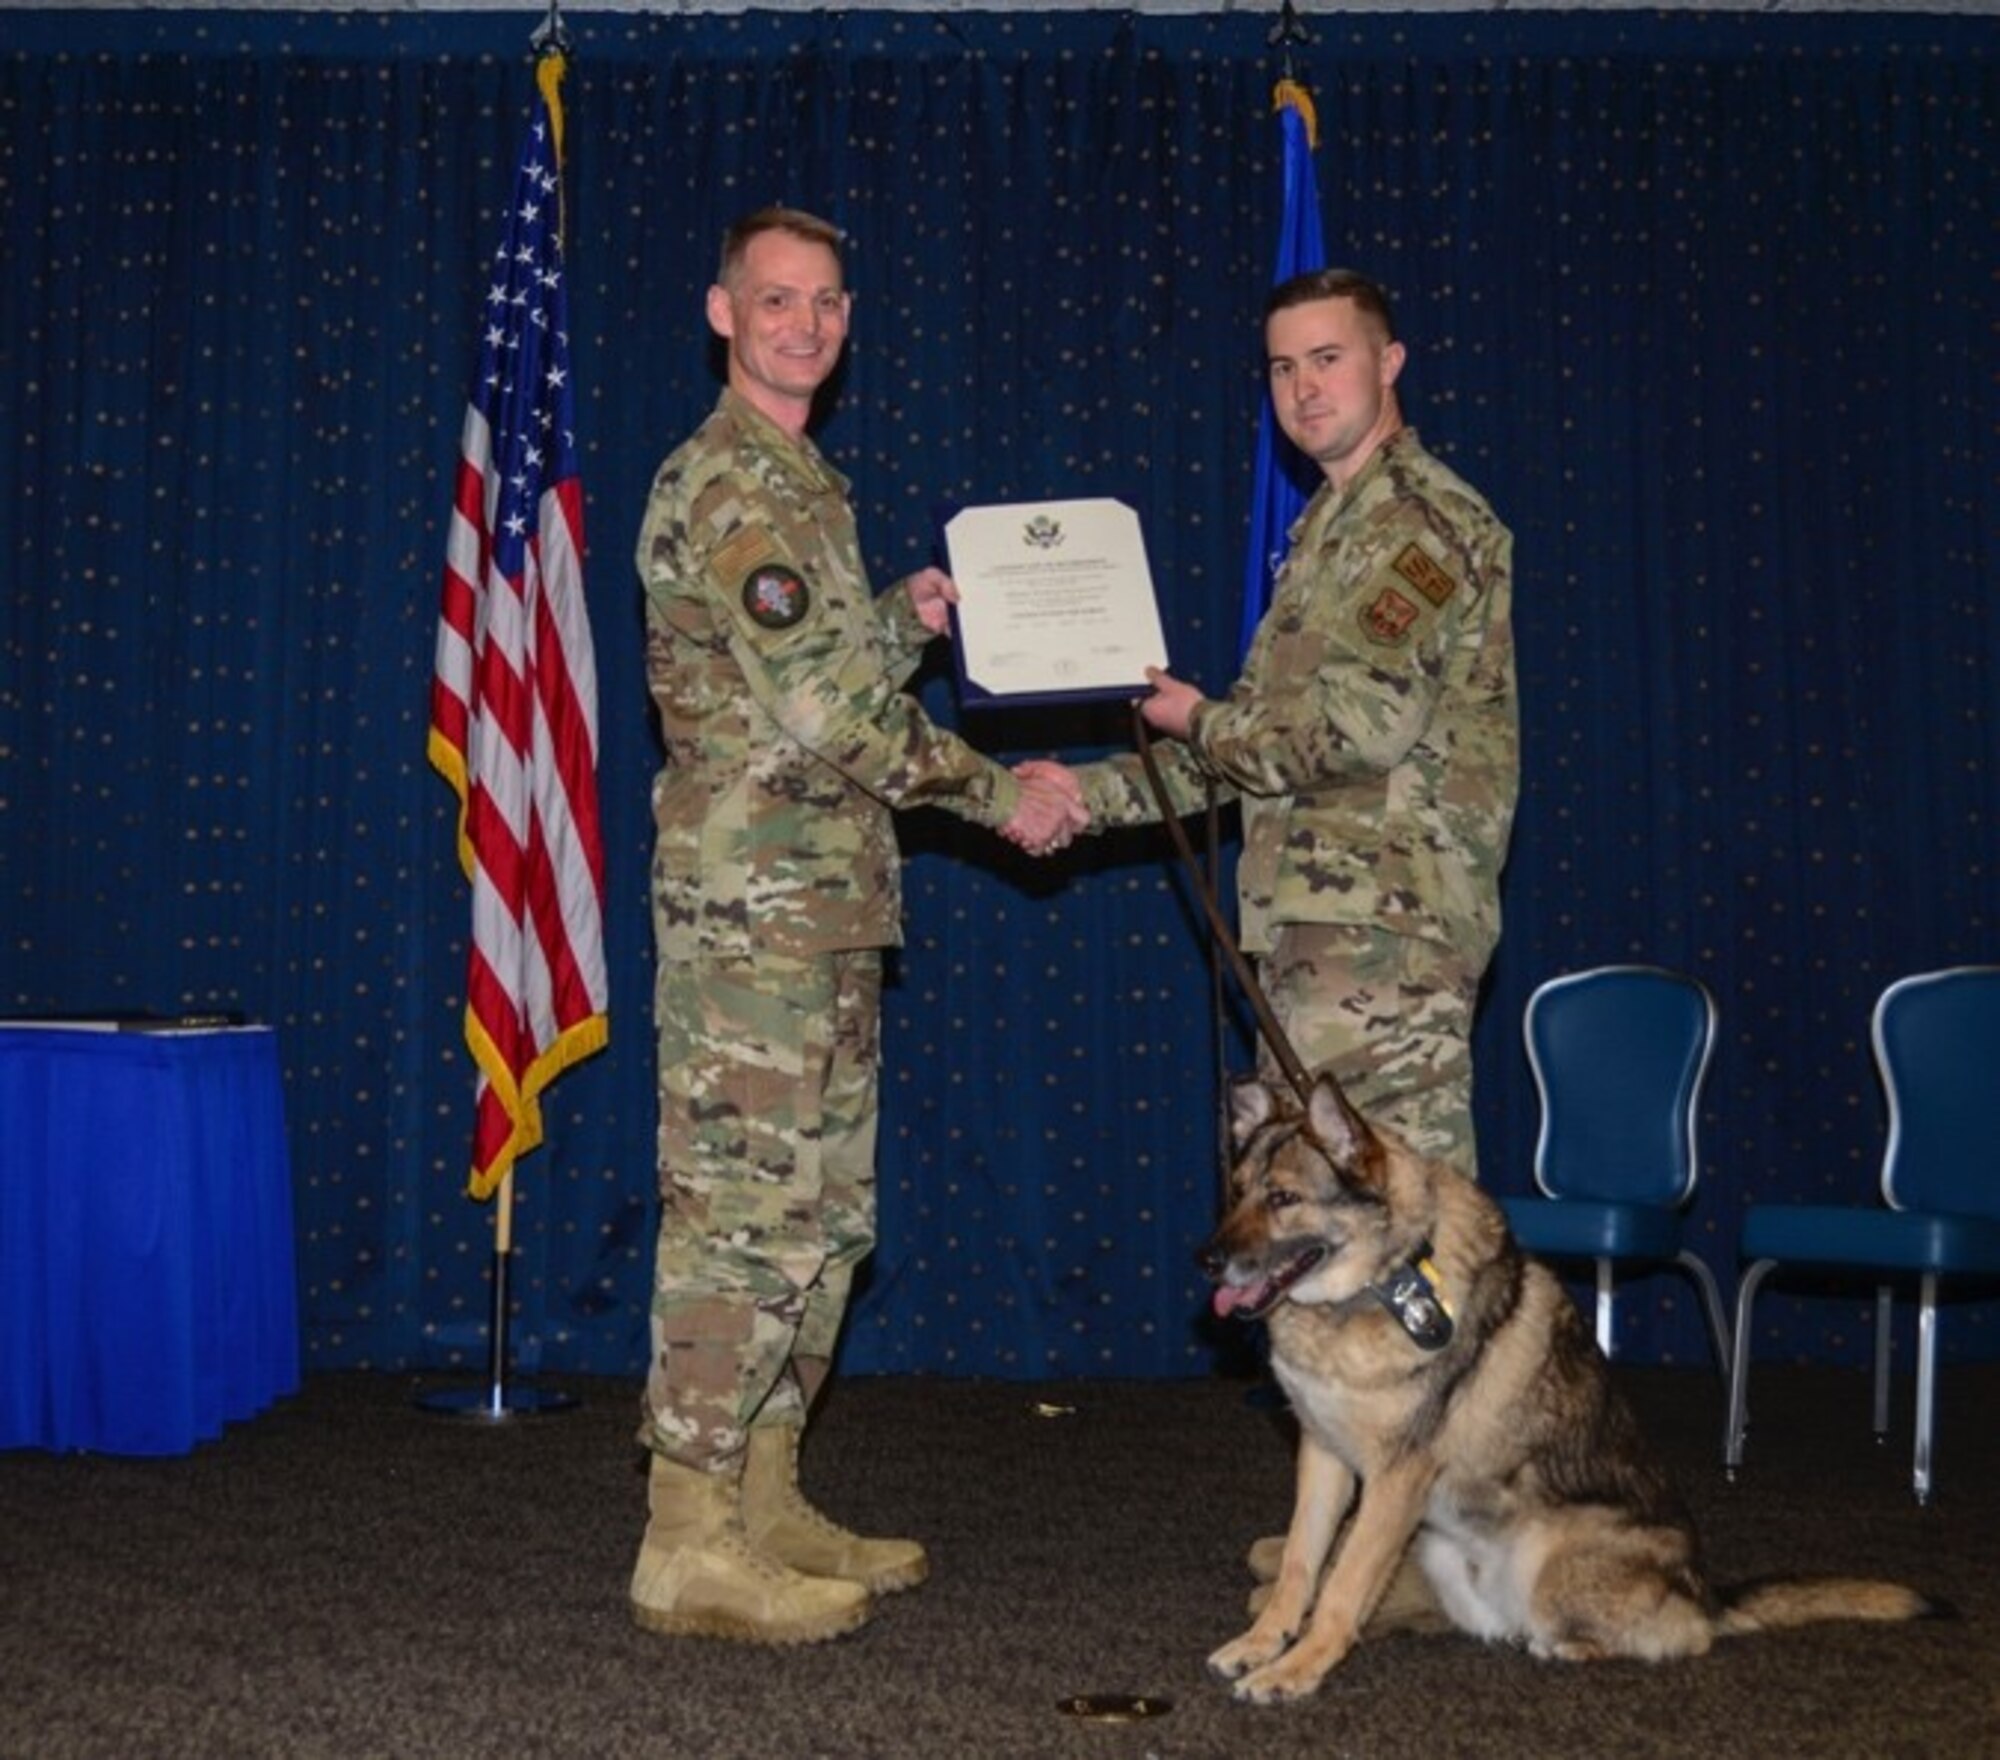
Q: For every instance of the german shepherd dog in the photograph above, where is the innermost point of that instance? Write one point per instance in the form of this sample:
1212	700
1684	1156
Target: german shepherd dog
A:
1450	1378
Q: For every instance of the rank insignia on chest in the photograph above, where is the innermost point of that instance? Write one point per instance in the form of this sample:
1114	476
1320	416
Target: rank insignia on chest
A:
776	597
1387	620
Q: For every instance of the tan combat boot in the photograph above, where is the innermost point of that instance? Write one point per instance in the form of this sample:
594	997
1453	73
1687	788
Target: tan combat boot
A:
780	1521
698	1574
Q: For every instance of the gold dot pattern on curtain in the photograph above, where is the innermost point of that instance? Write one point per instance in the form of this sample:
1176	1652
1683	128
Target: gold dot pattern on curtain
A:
1703	304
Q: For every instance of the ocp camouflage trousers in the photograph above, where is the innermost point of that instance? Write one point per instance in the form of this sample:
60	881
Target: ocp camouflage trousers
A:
1391	1017
769	1070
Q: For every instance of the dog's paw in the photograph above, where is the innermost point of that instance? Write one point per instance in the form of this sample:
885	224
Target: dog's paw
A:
1280	1682
1241	1655
1260	1598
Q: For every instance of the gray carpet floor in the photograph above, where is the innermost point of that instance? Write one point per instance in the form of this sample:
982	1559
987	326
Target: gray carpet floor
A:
350	1575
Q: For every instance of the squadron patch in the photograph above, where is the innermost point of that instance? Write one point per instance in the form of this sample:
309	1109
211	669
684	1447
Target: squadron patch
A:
1387	621
1424	572
775	596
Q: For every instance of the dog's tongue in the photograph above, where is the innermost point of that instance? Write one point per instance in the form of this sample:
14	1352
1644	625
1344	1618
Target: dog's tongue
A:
1230	1297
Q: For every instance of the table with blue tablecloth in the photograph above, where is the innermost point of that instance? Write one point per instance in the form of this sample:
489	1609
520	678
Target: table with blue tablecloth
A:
148	1291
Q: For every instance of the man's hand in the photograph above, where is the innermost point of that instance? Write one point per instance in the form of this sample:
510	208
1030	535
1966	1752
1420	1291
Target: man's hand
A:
1051	811
933	593
1172	705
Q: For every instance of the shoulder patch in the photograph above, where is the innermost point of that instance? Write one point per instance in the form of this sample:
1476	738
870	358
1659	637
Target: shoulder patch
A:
776	597
1387	618
1424	572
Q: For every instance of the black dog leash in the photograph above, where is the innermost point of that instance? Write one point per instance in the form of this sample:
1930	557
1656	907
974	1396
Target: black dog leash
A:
1410	1292
1260	1006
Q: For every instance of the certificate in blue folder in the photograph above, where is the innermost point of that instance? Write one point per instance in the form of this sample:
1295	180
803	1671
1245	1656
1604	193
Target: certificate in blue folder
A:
1056	603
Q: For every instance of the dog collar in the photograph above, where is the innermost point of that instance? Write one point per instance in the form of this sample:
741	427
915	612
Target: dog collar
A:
1412	1295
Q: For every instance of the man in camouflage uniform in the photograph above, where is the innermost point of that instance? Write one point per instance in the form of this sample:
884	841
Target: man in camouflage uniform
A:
777	677
1371	738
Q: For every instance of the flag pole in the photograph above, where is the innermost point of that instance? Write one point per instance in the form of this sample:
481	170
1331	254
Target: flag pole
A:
500	1399
1281	481
584	1031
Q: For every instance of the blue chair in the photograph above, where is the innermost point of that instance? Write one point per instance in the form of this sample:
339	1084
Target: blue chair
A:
1937	1049
1619	1055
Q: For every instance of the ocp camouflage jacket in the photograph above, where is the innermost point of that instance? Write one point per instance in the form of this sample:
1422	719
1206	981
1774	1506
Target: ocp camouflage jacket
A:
778	680
1372	736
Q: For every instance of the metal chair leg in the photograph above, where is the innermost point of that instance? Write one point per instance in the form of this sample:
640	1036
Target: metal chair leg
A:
1739	1366
1926	1385
1711	1301
1884	1303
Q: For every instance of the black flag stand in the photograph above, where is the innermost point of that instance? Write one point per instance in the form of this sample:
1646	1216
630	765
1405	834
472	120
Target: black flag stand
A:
498	1401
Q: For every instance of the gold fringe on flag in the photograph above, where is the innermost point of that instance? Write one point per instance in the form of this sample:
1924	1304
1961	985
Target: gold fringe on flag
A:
1288	93
549	73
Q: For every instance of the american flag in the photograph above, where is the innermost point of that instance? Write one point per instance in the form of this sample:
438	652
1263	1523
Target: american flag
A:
514	698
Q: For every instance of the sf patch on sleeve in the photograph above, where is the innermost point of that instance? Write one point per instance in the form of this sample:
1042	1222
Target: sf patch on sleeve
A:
1421	585
1424	572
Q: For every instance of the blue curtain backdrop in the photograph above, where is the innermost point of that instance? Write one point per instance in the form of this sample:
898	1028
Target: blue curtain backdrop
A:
1706	305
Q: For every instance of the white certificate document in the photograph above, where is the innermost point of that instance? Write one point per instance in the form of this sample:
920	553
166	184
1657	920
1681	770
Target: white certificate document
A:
1055	601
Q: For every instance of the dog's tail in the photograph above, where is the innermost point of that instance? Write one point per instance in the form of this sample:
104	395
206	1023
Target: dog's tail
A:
1803	1601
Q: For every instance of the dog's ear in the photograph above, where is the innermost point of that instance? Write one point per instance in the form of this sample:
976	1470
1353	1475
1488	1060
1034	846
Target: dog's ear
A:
1250	1106
1341	1131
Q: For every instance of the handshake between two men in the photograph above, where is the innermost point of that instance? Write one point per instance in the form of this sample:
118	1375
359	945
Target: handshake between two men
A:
1052	809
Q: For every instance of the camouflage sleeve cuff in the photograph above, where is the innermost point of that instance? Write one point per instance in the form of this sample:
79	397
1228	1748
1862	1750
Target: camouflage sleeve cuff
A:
1208	723
995	804
1108	796
1117	792
897	616
1195	744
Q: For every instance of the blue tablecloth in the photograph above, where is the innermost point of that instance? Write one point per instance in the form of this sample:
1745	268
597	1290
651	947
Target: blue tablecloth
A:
148	1293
